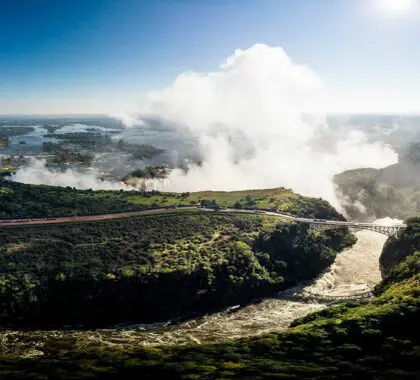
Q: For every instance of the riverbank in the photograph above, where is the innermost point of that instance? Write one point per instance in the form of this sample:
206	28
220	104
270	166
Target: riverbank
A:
372	340
355	270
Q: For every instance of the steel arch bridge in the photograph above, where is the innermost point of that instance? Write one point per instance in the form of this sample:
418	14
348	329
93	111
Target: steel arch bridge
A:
392	231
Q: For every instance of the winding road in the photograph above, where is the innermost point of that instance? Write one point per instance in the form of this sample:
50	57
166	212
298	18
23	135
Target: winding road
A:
390	230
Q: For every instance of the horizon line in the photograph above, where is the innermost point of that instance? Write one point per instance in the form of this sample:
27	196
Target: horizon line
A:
335	113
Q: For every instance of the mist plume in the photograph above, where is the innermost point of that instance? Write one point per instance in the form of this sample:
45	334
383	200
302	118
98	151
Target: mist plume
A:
261	123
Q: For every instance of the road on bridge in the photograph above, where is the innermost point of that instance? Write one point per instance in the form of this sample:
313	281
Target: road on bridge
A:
92	218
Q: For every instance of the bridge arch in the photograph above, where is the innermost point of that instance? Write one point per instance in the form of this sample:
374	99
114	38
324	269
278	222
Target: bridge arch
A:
391	231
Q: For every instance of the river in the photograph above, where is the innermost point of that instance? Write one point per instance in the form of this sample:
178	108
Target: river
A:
355	270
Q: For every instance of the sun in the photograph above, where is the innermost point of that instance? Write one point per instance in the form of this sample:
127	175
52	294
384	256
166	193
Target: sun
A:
397	6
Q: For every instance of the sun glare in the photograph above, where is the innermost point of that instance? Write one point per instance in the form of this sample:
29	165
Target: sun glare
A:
398	6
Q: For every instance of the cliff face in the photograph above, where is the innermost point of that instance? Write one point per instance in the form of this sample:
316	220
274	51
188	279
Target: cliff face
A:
393	191
400	258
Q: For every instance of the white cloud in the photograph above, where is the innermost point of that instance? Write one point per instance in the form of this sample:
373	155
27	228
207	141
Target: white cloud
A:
127	120
260	99
37	173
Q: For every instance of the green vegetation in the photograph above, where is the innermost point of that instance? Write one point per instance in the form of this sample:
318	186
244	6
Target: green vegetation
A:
400	258
369	187
62	155
52	128
155	267
32	201
369	340
152	268
412	153
14	131
80	147
6	171
149	172
96	142
19	200
4	142
396	186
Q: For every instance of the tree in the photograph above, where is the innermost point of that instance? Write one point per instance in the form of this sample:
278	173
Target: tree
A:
237	205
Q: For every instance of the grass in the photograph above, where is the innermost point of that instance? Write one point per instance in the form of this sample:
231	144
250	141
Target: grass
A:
19	200
271	199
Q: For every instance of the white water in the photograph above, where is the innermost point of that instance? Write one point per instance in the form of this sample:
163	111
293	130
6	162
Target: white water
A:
355	270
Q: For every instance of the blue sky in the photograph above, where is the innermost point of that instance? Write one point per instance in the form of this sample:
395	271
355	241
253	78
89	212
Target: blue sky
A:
79	56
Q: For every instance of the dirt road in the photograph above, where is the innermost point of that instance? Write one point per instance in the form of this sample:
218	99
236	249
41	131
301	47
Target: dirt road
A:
73	219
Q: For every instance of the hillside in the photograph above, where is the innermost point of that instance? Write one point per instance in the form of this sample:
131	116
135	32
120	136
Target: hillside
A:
154	267
19	200
393	191
370	340
400	258
167	266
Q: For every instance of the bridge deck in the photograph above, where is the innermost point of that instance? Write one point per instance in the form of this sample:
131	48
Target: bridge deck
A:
389	230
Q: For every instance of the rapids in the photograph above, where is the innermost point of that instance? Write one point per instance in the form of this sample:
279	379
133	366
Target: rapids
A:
355	270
